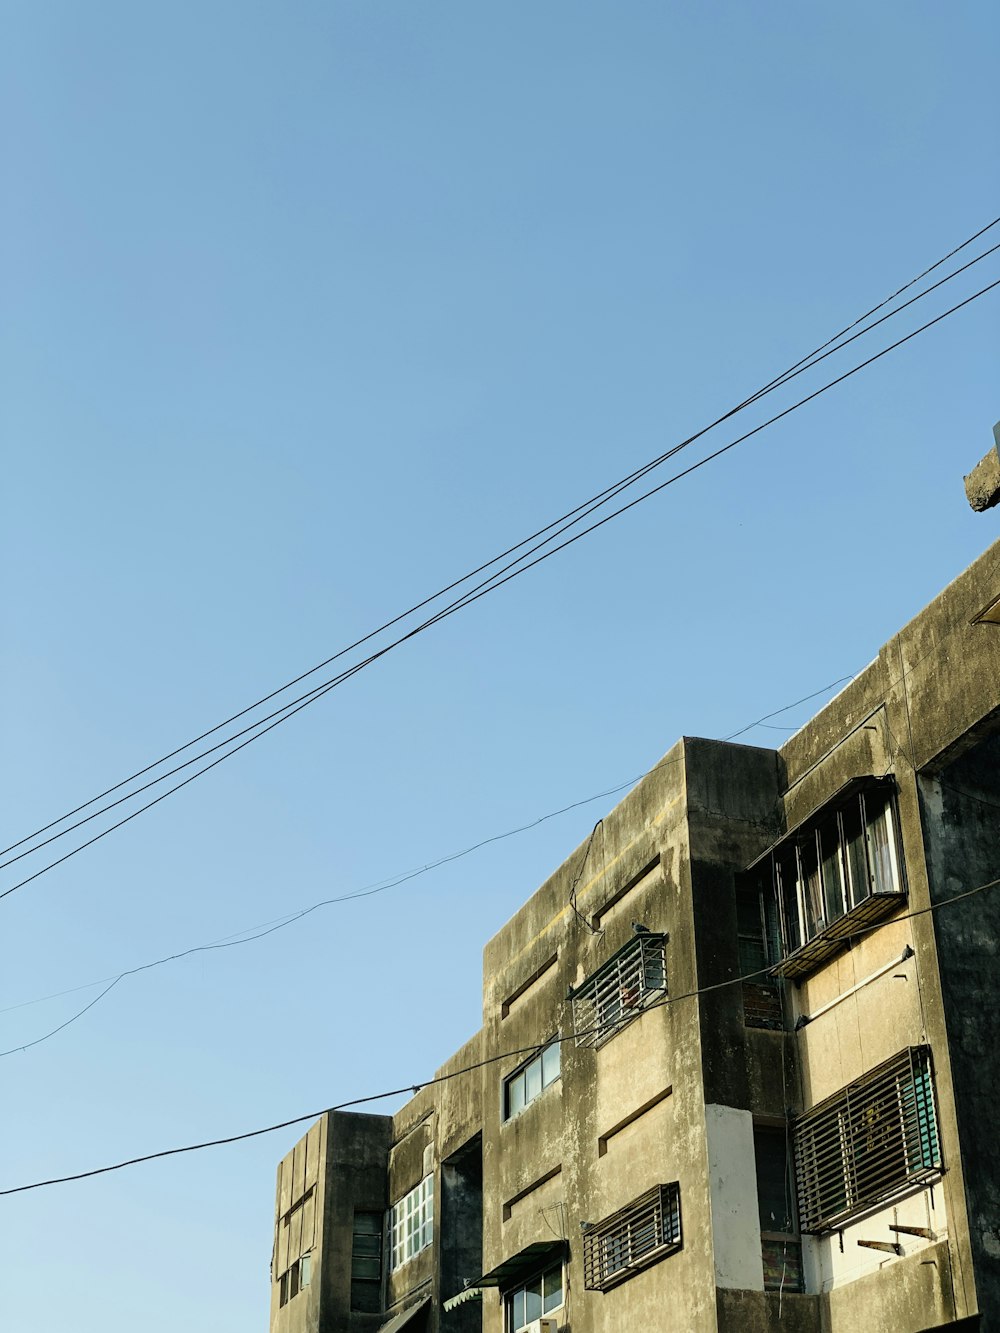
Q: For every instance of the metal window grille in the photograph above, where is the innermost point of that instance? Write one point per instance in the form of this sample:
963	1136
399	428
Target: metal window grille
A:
628	982
411	1223
647	1230
868	1144
835	875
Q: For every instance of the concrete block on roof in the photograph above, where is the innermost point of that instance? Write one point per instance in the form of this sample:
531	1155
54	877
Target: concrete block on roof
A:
982	485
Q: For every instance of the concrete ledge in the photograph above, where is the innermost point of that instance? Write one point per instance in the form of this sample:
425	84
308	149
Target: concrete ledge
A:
982	485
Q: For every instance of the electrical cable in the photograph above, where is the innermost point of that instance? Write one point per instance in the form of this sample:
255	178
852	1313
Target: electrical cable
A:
471	1068
602	497
252	933
487	586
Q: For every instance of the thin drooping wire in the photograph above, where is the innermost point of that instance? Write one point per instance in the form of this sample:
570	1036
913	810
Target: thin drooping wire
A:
484	589
471	1068
26	1046
252	933
804	363
594	930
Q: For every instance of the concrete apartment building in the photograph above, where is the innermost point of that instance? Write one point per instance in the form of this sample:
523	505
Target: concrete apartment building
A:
636	1139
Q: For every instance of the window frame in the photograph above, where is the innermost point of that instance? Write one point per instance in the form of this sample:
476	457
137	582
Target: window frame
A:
291	1283
788	1237
411	1223
508	1112
817	888
377	1235
538	1277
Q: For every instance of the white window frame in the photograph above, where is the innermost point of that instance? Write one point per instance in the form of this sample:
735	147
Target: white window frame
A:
411	1223
538	1279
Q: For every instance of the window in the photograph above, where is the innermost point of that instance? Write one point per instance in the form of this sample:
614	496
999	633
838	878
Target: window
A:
781	1249
366	1262
641	1234
536	1298
366	1249
294	1279
411	1223
759	940
293	1257
868	1144
837	873
531	1080
628	983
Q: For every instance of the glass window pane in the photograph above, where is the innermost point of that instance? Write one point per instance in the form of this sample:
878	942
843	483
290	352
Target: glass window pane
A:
788	882
833	874
517	1318
880	843
552	1289
515	1094
532	1080
368	1223
533	1302
812	890
365	1269
367	1244
305	1270
854	851
550	1063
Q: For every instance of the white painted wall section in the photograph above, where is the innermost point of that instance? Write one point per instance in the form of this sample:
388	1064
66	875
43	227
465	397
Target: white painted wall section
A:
732	1176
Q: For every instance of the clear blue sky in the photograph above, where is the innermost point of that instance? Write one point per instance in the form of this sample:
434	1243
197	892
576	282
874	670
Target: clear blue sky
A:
309	307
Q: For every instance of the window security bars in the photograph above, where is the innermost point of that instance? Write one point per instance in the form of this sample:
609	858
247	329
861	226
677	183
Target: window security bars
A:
837	874
642	1233
411	1223
629	982
868	1144
531	1080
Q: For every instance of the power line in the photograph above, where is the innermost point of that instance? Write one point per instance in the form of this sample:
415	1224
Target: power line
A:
511	571
466	1069
568	520
252	933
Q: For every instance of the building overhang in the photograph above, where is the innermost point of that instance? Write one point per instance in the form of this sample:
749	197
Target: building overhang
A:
525	1262
866	782
469	1294
401	1320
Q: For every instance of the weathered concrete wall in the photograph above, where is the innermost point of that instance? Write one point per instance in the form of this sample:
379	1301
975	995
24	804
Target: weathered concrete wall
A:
299	1172
342	1160
962	827
627	1115
676	1094
432	1127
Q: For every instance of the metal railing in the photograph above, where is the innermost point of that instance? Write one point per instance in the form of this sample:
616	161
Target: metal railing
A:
869	1143
628	982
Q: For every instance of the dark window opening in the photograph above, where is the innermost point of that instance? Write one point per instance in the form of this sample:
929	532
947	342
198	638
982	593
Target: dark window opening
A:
781	1248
